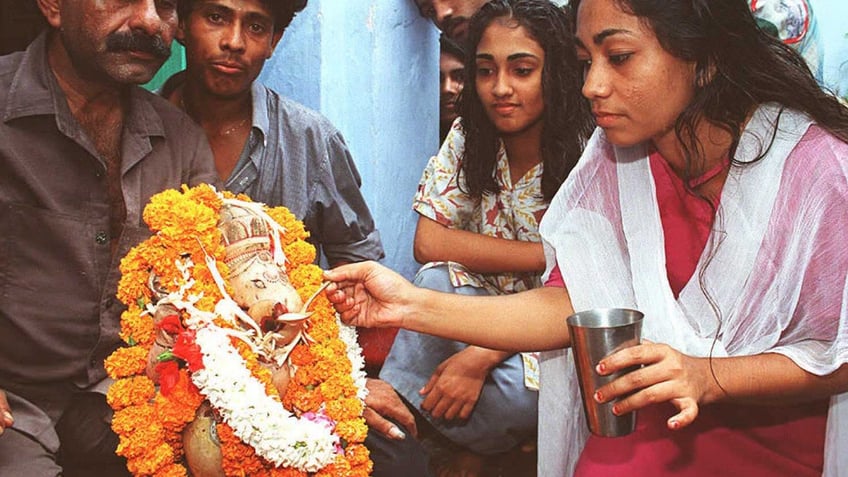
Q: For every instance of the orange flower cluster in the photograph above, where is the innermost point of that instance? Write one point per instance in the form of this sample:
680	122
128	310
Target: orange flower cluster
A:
149	423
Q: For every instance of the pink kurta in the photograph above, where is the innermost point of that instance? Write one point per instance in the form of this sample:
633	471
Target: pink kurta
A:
726	439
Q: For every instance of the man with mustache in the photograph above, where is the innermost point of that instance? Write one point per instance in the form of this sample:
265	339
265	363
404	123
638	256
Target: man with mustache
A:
280	153
450	16
82	149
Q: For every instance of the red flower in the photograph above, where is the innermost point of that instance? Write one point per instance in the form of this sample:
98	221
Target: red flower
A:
187	349
169	376
171	324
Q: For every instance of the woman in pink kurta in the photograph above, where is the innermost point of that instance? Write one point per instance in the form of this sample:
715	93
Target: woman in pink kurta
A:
741	440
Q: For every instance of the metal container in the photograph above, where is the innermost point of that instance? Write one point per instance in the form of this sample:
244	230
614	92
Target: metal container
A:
596	334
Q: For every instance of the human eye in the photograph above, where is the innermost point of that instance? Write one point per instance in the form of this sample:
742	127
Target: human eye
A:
215	17
257	28
619	58
484	71
524	71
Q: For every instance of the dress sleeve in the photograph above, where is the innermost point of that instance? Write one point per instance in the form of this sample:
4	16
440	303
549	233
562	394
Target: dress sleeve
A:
439	196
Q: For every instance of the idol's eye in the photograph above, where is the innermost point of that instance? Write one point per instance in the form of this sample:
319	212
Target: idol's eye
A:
258	283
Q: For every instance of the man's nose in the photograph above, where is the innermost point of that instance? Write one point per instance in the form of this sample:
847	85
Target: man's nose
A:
146	17
234	39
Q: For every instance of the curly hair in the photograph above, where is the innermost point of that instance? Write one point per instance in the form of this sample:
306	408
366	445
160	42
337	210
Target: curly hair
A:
283	10
567	120
738	67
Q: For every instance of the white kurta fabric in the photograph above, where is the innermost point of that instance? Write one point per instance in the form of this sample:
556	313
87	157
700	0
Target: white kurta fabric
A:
775	269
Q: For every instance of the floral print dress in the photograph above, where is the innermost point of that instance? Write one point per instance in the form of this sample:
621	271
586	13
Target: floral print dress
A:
513	213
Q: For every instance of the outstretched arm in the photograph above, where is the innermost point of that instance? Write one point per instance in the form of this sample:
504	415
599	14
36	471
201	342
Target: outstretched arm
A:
370	295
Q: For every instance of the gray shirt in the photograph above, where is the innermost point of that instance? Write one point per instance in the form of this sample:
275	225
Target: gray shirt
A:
59	317
295	157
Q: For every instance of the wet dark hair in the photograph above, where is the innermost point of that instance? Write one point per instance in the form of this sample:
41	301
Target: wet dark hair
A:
446	45
738	67
567	117
283	10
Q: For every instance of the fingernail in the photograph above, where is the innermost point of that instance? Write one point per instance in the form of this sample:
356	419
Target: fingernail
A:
599	397
396	433
674	424
601	368
616	410
8	416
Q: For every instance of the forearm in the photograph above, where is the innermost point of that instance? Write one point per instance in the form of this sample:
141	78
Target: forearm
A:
527	321
479	253
770	378
487	358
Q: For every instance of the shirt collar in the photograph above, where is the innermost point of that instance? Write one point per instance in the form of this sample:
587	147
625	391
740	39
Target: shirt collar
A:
35	91
30	93
260	118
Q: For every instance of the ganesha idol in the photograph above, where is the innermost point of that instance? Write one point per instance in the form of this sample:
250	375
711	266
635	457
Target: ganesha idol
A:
270	310
233	362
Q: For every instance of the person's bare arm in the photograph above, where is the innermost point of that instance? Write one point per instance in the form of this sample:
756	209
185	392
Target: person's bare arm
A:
477	252
368	294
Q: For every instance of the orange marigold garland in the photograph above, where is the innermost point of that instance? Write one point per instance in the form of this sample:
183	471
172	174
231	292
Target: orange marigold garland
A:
186	254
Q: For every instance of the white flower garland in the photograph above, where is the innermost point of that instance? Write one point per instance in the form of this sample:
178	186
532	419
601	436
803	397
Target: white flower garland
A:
348	336
256	418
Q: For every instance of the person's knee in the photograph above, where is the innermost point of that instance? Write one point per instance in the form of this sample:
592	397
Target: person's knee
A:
434	278
85	433
21	454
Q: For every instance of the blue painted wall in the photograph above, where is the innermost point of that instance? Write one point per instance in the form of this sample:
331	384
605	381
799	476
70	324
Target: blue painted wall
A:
371	67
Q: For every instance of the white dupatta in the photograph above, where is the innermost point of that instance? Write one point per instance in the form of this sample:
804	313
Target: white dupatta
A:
774	266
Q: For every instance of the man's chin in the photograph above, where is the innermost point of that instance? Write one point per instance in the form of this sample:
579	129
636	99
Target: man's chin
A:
135	70
134	76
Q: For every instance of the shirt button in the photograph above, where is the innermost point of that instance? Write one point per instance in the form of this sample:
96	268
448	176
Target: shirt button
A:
101	238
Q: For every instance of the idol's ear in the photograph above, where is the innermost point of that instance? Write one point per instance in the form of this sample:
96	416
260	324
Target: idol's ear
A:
50	9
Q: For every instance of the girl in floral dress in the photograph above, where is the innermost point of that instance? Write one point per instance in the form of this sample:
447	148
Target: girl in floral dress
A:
522	127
